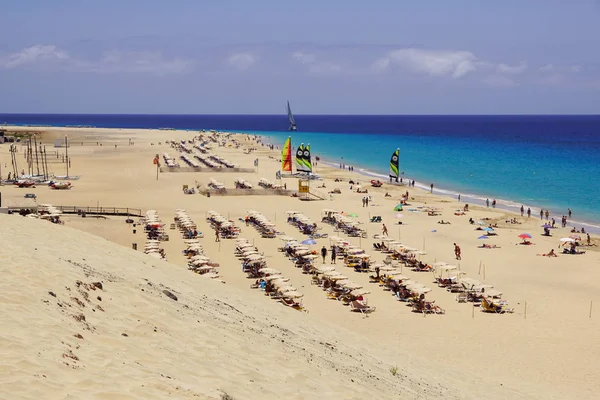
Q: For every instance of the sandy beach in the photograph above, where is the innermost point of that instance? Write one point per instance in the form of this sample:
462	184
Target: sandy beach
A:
229	338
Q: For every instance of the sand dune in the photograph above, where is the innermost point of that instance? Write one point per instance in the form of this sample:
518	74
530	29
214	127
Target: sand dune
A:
85	318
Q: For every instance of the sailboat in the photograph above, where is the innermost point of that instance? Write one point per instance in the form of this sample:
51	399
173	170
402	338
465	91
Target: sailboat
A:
394	165
291	118
286	155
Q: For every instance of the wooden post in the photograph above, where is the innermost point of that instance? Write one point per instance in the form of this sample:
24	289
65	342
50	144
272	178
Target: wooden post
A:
525	310
67	154
591	302
473	311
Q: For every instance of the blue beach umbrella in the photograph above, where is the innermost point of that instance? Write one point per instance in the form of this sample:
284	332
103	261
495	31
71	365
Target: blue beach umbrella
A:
488	229
483	237
309	241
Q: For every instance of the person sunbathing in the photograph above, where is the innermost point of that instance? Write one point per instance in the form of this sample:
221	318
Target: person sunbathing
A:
489	246
444	222
551	253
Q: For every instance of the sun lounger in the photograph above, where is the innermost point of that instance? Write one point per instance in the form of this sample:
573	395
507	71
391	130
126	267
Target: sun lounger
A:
357	306
496	308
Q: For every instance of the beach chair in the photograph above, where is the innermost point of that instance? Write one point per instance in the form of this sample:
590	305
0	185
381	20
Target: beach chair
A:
291	303
357	306
462	297
496	308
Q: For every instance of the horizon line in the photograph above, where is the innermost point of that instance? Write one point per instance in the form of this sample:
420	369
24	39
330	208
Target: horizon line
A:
317	115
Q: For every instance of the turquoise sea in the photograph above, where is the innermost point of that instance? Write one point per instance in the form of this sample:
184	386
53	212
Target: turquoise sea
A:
539	161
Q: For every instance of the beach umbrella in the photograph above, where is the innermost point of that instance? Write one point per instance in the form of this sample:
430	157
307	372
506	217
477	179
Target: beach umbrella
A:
309	241
398	207
488	229
576	237
571	240
483	237
480	222
353	215
399	215
525	236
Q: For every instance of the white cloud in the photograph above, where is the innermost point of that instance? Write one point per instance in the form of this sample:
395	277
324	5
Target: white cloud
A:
111	62
138	62
512	69
381	65
304	58
315	66
242	60
560	68
32	55
432	62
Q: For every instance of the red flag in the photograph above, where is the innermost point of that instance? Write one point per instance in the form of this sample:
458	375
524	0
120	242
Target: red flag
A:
155	160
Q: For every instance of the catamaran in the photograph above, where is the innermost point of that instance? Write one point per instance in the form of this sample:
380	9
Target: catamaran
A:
394	165
291	118
286	155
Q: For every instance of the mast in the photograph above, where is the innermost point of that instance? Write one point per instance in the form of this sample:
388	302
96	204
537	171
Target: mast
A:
37	162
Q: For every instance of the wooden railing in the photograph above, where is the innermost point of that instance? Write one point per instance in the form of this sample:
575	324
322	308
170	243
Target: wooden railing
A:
124	211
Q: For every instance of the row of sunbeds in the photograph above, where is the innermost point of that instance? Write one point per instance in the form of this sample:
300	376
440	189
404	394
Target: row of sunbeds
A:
269	280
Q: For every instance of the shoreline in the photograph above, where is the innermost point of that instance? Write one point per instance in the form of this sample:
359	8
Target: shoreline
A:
447	193
469	198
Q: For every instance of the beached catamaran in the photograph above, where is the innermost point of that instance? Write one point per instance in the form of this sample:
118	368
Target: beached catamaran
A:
286	155
303	161
394	165
291	118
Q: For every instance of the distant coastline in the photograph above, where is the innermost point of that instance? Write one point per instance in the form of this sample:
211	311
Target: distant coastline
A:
540	161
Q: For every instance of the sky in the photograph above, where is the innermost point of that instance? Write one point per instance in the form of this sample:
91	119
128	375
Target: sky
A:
324	56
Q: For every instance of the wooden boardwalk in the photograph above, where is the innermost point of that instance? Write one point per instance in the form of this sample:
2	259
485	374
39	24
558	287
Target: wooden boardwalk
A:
121	211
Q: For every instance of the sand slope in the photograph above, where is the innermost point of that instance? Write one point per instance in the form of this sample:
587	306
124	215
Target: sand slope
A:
85	318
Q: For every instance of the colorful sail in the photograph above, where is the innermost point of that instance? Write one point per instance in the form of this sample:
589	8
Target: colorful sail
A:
394	164
306	159
300	167
286	155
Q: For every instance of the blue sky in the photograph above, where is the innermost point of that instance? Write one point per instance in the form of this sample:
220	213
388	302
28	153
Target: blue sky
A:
326	57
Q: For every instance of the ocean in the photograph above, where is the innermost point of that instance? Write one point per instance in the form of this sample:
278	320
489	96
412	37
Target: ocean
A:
548	162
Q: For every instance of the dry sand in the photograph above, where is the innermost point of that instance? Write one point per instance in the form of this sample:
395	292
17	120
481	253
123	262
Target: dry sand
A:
551	352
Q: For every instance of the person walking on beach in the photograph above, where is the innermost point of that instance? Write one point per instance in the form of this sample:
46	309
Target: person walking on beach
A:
459	197
431	186
494	203
217	236
457	251
547	214
569	213
384	230
487	202
528	212
542	213
522	210
333	254
324	253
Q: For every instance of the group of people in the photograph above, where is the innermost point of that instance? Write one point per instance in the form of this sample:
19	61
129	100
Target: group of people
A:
333	254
